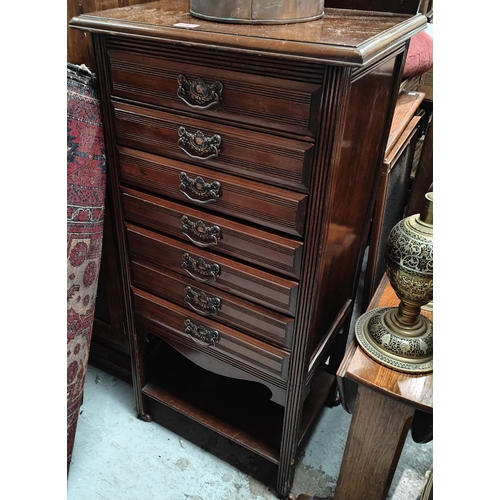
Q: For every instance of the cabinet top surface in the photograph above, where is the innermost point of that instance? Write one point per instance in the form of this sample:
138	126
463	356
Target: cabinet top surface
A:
342	36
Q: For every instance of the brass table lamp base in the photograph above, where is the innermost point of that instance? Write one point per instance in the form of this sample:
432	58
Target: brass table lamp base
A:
393	345
400	337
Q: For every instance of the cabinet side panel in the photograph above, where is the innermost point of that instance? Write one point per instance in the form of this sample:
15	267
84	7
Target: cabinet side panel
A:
351	193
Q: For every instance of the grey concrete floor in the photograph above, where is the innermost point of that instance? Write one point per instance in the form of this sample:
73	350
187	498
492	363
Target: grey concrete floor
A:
116	456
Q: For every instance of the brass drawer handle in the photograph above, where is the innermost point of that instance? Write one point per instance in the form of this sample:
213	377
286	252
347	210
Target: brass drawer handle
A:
201	302
203	147
200	332
205	192
204	95
209	235
199	269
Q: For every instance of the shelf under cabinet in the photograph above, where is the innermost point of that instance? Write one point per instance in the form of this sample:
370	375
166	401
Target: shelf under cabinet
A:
239	410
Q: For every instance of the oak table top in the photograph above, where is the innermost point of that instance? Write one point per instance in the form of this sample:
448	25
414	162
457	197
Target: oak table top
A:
360	368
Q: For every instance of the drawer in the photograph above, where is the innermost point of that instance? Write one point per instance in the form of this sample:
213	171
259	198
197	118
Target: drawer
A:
250	201
213	338
202	300
206	230
215	270
189	86
270	159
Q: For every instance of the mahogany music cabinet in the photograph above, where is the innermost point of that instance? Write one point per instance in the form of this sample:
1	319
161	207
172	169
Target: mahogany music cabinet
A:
242	161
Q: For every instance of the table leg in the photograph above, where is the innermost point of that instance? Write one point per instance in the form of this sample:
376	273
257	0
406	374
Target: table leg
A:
376	437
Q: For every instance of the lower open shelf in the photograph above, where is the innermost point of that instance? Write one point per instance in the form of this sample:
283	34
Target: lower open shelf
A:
239	410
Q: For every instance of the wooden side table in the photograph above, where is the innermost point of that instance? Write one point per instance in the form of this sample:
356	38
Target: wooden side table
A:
383	403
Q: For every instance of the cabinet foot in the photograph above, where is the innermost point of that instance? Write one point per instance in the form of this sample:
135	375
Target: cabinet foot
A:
147	417
305	496
282	496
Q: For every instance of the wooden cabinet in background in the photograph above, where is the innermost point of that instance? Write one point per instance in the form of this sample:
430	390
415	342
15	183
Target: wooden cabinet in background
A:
242	166
393	186
109	349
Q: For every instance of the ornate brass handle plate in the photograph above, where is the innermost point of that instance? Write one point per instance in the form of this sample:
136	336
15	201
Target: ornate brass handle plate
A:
198	94
201	302
200	332
205	192
207	235
199	146
199	269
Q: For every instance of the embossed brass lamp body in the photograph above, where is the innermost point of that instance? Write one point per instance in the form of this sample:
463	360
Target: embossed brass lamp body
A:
401	337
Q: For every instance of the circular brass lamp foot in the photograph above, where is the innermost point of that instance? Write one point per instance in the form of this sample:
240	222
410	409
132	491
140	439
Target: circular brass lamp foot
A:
407	350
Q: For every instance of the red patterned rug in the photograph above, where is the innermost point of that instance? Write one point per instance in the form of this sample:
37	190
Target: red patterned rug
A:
85	212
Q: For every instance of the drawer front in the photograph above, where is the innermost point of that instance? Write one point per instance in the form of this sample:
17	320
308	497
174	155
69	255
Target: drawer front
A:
270	159
204	301
192	87
213	337
215	270
254	202
218	234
